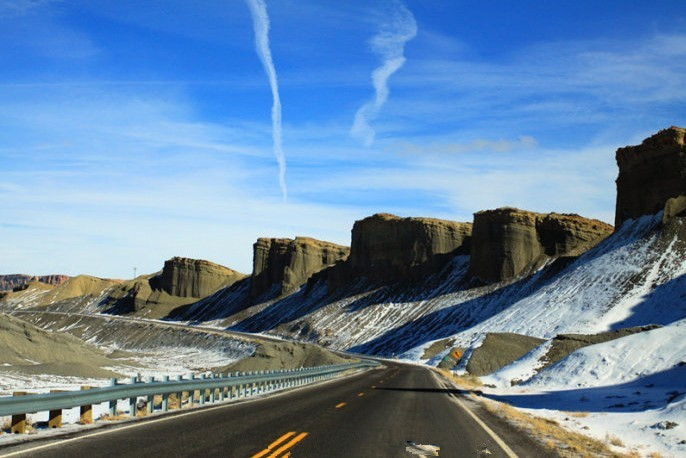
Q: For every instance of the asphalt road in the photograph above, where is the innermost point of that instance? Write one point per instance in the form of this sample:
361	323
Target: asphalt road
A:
372	414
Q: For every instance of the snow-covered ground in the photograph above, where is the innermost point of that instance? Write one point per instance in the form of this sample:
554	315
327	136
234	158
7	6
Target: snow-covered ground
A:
630	387
633	388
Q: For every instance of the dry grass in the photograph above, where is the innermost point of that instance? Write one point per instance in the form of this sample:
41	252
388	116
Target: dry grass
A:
553	436
119	416
614	440
576	414
550	433
466	382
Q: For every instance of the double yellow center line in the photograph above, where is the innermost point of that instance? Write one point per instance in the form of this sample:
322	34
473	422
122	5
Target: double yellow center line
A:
275	448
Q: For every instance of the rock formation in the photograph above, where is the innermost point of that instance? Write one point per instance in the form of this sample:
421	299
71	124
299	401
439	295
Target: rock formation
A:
10	282
286	264
386	247
508	241
675	206
184	277
650	173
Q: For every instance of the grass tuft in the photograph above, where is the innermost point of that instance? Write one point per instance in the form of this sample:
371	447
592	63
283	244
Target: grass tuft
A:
560	440
466	382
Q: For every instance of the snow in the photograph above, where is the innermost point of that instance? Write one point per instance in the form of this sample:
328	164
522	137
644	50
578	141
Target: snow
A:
633	388
630	387
635	277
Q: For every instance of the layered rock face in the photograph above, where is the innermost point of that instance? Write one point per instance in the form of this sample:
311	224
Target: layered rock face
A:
287	264
508	241
389	248
674	207
184	277
650	173
10	282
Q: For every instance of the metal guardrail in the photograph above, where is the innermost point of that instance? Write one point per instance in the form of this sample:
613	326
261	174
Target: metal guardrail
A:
229	386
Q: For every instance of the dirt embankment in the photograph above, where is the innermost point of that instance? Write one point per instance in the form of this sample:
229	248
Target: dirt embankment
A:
498	350
286	355
564	344
32	350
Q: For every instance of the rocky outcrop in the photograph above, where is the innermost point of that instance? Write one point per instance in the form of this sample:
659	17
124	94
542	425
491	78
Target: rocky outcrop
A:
650	173
10	282
499	349
184	277
507	241
676	206
388	248
286	264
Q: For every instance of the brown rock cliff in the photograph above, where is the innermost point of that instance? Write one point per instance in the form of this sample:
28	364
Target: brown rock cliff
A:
184	277
650	173
507	241
389	248
10	282
288	263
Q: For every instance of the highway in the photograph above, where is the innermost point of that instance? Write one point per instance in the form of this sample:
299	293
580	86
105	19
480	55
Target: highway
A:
370	414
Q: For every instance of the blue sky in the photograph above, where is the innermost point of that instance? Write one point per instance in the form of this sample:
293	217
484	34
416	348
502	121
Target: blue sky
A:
131	132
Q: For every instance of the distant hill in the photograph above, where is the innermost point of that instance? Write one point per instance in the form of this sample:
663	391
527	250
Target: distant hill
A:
13	281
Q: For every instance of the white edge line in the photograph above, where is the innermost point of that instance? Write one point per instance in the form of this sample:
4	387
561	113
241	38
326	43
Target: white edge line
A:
138	423
508	451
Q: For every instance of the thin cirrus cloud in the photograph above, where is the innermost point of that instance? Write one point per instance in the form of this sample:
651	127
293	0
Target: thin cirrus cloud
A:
398	28
258	9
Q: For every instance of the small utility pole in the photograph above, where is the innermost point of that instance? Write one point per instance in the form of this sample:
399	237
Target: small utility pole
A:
134	273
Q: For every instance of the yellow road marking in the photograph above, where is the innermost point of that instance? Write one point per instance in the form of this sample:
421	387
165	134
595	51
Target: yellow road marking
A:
271	446
288	445
360	394
338	406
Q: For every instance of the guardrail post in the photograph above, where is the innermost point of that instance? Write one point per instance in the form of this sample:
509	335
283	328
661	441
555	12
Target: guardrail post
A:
86	411
151	398
55	416
202	391
179	395
222	390
165	396
133	401
213	391
18	421
191	393
113	404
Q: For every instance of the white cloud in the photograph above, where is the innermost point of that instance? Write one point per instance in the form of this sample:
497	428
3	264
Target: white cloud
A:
398	28
258	10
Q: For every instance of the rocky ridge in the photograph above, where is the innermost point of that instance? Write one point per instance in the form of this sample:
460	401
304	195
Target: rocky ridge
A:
508	242
286	264
185	277
650	174
10	282
386	248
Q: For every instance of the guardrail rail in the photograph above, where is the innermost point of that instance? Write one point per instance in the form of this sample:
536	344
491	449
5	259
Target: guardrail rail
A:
212	388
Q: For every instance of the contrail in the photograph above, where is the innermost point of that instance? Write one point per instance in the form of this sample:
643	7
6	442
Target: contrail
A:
258	9
389	44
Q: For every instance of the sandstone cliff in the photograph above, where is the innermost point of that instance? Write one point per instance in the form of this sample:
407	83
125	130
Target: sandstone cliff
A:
182	281
674	207
650	173
184	277
507	241
387	248
286	264
10	282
